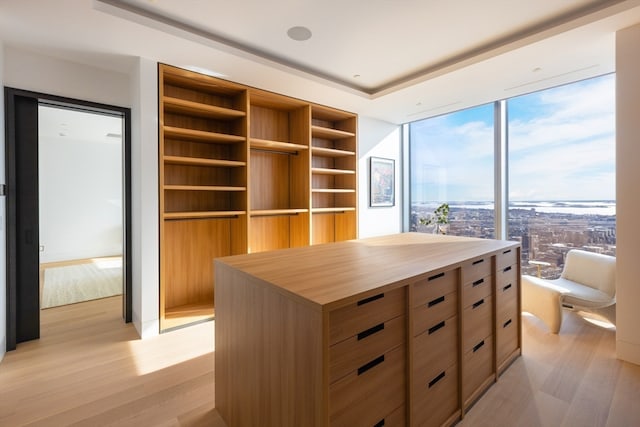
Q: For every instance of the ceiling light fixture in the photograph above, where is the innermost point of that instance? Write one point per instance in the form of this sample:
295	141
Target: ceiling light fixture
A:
299	33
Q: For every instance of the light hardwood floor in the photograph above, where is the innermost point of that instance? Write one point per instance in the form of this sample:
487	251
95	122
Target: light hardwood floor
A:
90	369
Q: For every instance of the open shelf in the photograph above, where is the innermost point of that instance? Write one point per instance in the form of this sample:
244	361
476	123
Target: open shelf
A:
198	109
203	188
205	214
333	190
267	212
329	133
287	147
196	161
332	210
331	152
327	171
200	135
175	317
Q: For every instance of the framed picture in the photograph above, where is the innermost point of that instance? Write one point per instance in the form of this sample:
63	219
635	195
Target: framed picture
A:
381	182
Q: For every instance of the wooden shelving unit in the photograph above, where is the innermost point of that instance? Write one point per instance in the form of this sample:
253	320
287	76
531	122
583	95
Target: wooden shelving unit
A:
243	170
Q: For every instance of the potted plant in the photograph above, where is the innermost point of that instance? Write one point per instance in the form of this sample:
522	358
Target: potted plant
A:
439	219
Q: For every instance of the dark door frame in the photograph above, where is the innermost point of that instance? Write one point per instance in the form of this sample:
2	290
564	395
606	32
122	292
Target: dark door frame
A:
21	149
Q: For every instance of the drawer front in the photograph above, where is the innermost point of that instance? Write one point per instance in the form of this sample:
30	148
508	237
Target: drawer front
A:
476	269
477	323
434	311
434	351
436	399
507	290
350	320
369	394
506	258
434	287
348	355
508	321
395	419
476	290
478	366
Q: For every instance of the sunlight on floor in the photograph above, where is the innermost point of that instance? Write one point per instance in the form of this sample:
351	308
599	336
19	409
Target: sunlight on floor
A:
169	349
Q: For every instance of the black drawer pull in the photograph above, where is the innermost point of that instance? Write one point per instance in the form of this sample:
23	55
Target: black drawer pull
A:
477	304
477	282
507	323
436	379
477	262
362	335
364	368
379	423
436	276
436	327
478	346
370	299
435	301
506	269
506	288
506	252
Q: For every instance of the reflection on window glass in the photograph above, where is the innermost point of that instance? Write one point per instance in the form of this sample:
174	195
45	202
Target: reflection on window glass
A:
562	173
451	160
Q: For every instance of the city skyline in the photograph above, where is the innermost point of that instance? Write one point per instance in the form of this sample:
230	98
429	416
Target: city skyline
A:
561	147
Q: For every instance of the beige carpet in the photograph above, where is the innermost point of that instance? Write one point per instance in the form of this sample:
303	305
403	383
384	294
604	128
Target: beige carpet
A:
81	282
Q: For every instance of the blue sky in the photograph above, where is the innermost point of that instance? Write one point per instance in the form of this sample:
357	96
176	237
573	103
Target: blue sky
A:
561	145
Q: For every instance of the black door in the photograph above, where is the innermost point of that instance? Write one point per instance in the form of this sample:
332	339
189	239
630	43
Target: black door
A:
23	257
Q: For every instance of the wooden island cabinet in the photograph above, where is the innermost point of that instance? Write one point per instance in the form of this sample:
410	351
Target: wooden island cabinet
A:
406	329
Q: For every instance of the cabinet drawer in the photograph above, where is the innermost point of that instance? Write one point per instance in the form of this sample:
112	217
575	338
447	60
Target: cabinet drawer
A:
348	355
434	311
507	275
478	366
434	287
506	258
435	350
506	336
395	419
507	290
476	290
365	313
436	399
476	269
477	323
373	391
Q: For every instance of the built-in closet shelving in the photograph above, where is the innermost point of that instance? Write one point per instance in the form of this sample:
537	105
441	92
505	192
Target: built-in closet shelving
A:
243	170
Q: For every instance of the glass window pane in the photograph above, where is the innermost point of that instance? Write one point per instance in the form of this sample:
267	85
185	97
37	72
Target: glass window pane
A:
562	172
451	161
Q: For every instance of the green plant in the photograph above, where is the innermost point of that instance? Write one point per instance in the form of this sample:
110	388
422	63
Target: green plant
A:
439	217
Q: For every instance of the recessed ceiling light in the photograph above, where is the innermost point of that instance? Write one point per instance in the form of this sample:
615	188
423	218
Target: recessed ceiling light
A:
355	76
299	33
535	70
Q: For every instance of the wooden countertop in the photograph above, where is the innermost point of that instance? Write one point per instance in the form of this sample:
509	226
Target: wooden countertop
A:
331	275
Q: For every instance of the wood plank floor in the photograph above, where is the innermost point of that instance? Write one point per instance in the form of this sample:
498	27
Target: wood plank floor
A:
90	369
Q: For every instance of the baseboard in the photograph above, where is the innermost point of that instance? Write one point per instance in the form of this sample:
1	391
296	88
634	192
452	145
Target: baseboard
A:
627	351
147	329
3	347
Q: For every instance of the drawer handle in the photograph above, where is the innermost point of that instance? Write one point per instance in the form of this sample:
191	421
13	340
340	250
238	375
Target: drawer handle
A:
477	304
507	323
435	301
370	299
436	379
477	282
364	368
478	346
436	327
436	276
506	269
477	262
506	252
362	335
379	423
506	288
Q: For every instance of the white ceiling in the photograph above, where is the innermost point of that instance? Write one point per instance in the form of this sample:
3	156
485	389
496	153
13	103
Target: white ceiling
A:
413	58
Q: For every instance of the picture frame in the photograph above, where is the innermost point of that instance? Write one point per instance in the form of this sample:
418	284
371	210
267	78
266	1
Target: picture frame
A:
381	182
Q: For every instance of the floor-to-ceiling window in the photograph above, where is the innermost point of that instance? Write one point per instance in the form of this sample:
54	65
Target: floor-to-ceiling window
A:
561	172
451	160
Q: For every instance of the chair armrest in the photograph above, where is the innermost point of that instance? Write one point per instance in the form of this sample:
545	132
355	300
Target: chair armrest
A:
543	299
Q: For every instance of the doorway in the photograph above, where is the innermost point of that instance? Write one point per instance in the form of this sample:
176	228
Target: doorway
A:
68	206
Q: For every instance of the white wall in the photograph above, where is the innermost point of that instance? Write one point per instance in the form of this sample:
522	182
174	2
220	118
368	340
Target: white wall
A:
3	225
144	170
80	188
627	194
379	139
